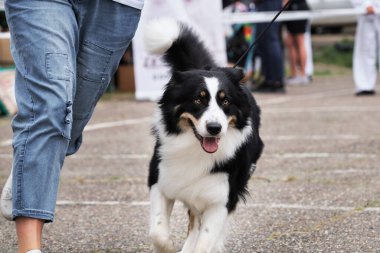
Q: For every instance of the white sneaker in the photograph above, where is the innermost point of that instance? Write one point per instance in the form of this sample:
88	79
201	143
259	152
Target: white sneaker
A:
6	199
298	80
34	251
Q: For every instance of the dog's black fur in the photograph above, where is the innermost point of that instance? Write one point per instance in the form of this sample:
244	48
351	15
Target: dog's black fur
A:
207	142
190	62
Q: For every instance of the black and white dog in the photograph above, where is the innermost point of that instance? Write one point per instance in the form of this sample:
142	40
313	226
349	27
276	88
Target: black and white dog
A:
207	140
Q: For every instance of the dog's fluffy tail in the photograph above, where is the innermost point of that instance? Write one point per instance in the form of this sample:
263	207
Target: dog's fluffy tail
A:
181	48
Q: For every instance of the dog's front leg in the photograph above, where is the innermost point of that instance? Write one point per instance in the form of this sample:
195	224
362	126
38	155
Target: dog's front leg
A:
213	222
194	227
160	211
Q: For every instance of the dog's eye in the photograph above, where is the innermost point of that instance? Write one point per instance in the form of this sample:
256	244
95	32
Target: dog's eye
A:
225	102
197	101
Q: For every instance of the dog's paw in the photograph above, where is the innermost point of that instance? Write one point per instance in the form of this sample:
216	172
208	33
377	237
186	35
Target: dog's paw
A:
162	244
167	247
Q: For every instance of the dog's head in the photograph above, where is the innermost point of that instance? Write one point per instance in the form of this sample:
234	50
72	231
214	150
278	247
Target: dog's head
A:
200	97
206	102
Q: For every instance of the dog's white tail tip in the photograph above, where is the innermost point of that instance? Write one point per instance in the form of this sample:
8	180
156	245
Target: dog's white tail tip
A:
159	35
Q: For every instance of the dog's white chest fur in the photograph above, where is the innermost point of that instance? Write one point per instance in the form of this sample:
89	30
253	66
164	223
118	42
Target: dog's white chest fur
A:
185	174
196	192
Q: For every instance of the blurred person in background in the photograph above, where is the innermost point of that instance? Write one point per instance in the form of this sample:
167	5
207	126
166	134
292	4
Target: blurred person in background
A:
366	50
240	37
270	51
296	45
309	69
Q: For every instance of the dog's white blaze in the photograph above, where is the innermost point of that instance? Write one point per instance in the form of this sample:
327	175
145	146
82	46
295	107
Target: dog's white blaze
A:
213	113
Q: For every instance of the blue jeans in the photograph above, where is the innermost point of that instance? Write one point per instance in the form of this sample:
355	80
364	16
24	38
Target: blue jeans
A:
66	52
269	48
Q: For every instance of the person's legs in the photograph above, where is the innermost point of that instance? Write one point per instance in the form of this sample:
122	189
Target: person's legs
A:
364	62
273	60
44	50
309	68
377	27
270	48
107	28
45	89
29	233
292	54
301	52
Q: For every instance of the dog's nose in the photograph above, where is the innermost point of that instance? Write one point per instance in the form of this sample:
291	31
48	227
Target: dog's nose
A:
214	128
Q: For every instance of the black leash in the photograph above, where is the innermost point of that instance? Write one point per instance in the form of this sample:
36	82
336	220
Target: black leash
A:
262	33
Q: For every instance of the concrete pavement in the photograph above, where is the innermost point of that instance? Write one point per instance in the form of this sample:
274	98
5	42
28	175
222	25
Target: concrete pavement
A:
316	188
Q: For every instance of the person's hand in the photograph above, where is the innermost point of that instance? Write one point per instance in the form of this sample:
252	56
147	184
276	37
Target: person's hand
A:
370	10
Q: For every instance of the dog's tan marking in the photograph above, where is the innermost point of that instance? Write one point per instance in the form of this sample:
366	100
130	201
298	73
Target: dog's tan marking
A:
191	222
232	120
203	94
188	116
184	124
222	95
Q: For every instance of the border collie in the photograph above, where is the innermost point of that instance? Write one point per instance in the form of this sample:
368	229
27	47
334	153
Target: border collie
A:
207	140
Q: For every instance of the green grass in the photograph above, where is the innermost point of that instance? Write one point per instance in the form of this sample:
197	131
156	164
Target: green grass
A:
323	72
330	54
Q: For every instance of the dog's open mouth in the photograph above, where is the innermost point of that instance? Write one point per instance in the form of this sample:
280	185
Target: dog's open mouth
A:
209	144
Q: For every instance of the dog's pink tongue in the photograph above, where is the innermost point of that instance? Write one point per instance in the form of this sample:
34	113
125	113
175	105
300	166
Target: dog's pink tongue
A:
210	144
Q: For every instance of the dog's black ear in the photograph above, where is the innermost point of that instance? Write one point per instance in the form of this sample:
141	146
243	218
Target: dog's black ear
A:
234	74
